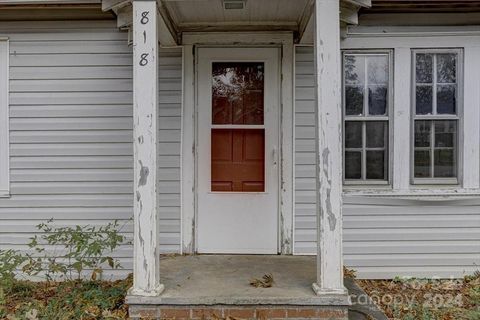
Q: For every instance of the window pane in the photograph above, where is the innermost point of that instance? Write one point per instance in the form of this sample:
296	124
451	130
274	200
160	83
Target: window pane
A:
423	99
444	166
237	92
424	67
377	68
445	133
376	134
353	100
446	68
422	164
353	165
446	99
422	133
377	100
376	165
353	134
354	69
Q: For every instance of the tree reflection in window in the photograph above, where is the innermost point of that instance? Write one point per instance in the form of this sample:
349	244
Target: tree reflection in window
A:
237	93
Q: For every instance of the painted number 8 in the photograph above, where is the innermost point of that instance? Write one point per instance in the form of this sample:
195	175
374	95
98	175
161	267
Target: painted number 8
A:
143	59
144	19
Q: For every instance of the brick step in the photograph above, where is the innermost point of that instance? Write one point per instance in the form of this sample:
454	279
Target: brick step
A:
260	312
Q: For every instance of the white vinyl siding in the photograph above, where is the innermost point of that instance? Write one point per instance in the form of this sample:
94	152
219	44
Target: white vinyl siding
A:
383	236
170	103
4	136
71	152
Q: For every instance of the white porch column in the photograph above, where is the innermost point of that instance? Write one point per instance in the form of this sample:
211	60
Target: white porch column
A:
146	264
329	148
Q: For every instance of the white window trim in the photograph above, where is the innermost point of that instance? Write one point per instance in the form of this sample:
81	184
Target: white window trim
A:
351	183
402	42
4	122
455	181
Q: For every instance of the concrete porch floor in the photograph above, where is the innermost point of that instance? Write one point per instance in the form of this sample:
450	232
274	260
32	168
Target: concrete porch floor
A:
212	280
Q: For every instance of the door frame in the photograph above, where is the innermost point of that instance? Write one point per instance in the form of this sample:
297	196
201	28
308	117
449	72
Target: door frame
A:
191	42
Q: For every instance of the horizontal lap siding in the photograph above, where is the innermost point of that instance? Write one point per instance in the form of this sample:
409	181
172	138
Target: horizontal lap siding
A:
382	237
170	104
71	131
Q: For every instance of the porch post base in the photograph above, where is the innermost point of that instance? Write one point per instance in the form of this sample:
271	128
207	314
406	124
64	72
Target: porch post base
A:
144	293
319	291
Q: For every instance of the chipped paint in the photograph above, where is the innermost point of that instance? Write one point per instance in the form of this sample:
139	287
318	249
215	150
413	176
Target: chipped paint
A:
144	172
328	122
145	96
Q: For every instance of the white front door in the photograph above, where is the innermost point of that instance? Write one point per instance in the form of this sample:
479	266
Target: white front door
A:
238	108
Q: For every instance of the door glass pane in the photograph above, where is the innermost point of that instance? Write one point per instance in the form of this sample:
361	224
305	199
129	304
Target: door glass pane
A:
238	160
237	93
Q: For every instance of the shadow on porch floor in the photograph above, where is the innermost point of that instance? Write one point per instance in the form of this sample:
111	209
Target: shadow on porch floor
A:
225	280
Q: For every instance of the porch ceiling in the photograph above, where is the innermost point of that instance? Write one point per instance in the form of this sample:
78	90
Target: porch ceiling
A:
181	16
194	15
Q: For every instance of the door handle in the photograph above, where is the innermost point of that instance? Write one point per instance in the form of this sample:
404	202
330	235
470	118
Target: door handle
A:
274	156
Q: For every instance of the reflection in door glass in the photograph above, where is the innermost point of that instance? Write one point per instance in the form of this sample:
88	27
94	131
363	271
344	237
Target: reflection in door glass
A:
237	93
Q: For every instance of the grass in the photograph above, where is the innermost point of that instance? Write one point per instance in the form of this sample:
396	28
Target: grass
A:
402	299
426	299
64	300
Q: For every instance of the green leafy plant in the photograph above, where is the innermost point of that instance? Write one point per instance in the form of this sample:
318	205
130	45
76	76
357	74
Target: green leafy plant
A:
10	262
83	248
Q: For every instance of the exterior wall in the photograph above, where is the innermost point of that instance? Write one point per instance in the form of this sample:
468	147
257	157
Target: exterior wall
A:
71	131
170	102
383	237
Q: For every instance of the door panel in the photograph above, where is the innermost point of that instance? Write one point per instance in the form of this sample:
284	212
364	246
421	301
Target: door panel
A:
238	160
238	135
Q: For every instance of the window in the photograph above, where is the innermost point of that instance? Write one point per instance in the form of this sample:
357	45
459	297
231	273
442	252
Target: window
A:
436	121
4	145
366	104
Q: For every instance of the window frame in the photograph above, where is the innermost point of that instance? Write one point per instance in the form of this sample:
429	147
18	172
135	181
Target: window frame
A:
367	118
4	118
458	117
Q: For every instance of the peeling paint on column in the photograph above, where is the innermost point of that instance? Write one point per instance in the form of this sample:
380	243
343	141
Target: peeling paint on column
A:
146	265
328	122
144	171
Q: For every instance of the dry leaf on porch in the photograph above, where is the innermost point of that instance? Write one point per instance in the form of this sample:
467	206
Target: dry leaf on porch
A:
266	281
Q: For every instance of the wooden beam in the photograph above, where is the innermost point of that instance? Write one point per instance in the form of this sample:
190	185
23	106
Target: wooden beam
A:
114	4
124	17
359	3
348	14
328	121
146	264
167	29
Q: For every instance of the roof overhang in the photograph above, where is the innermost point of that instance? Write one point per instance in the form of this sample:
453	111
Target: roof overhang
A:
179	16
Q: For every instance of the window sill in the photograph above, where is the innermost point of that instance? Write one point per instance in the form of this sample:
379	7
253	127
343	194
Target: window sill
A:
416	192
